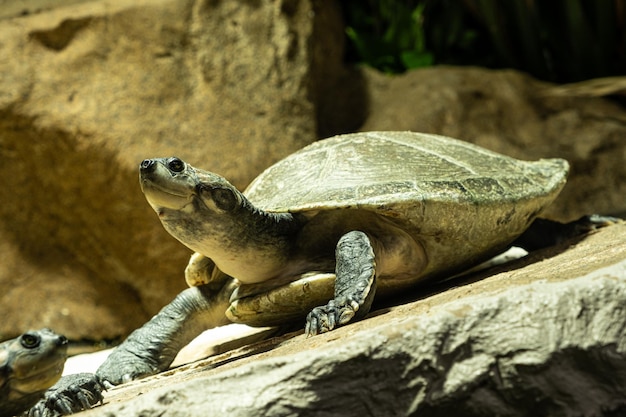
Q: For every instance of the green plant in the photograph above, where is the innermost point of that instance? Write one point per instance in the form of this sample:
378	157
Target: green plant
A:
387	35
556	40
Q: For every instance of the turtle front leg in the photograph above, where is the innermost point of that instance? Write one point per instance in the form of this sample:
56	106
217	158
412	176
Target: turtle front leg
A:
152	348
71	394
355	285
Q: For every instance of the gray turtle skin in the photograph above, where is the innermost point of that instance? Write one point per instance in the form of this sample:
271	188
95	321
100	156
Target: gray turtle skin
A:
319	234
72	393
29	365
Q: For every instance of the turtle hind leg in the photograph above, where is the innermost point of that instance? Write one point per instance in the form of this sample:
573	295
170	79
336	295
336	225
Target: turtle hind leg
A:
543	233
355	285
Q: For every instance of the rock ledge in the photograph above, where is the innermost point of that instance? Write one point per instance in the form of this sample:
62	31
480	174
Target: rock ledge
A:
515	343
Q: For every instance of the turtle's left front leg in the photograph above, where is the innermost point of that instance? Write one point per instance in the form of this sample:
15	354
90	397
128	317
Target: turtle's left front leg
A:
153	347
355	285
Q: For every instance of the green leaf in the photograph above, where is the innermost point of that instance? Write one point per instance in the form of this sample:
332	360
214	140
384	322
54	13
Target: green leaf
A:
414	59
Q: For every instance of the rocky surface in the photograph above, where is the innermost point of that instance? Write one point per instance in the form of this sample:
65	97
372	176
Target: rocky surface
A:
544	335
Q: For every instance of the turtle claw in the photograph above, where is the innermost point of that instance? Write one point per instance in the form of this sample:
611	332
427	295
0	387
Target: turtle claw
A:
595	221
71	394
122	366
587	224
544	233
334	314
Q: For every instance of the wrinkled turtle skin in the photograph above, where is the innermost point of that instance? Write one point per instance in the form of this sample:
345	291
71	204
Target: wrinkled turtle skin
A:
319	234
29	365
73	393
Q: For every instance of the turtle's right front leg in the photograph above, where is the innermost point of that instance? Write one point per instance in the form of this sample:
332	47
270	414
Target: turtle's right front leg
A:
355	285
152	348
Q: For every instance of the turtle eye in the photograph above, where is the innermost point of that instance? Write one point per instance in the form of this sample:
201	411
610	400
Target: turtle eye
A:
176	165
30	340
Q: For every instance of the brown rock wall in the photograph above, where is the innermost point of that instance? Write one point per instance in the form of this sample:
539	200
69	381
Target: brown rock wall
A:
89	90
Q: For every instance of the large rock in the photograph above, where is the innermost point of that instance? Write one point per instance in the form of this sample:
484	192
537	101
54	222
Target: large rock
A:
89	90
512	113
545	335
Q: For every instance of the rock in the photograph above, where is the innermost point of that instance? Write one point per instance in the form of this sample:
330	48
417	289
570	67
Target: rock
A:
91	89
512	113
544	335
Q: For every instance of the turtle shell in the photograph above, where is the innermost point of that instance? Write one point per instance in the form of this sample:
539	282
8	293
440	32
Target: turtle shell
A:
448	194
377	169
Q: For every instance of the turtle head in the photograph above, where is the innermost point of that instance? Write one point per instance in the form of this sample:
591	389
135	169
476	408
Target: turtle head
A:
172	184
200	209
37	360
210	216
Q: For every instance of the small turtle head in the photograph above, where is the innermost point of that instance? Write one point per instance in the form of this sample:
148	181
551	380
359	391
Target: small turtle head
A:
36	360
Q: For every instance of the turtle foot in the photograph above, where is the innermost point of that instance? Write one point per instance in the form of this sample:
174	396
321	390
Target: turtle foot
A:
355	285
71	394
334	314
198	271
124	365
593	222
543	233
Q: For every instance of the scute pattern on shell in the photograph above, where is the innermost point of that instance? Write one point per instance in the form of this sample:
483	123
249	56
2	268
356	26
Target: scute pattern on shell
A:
367	170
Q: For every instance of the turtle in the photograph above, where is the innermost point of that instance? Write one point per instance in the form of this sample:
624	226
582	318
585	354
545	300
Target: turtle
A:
321	233
31	381
29	365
